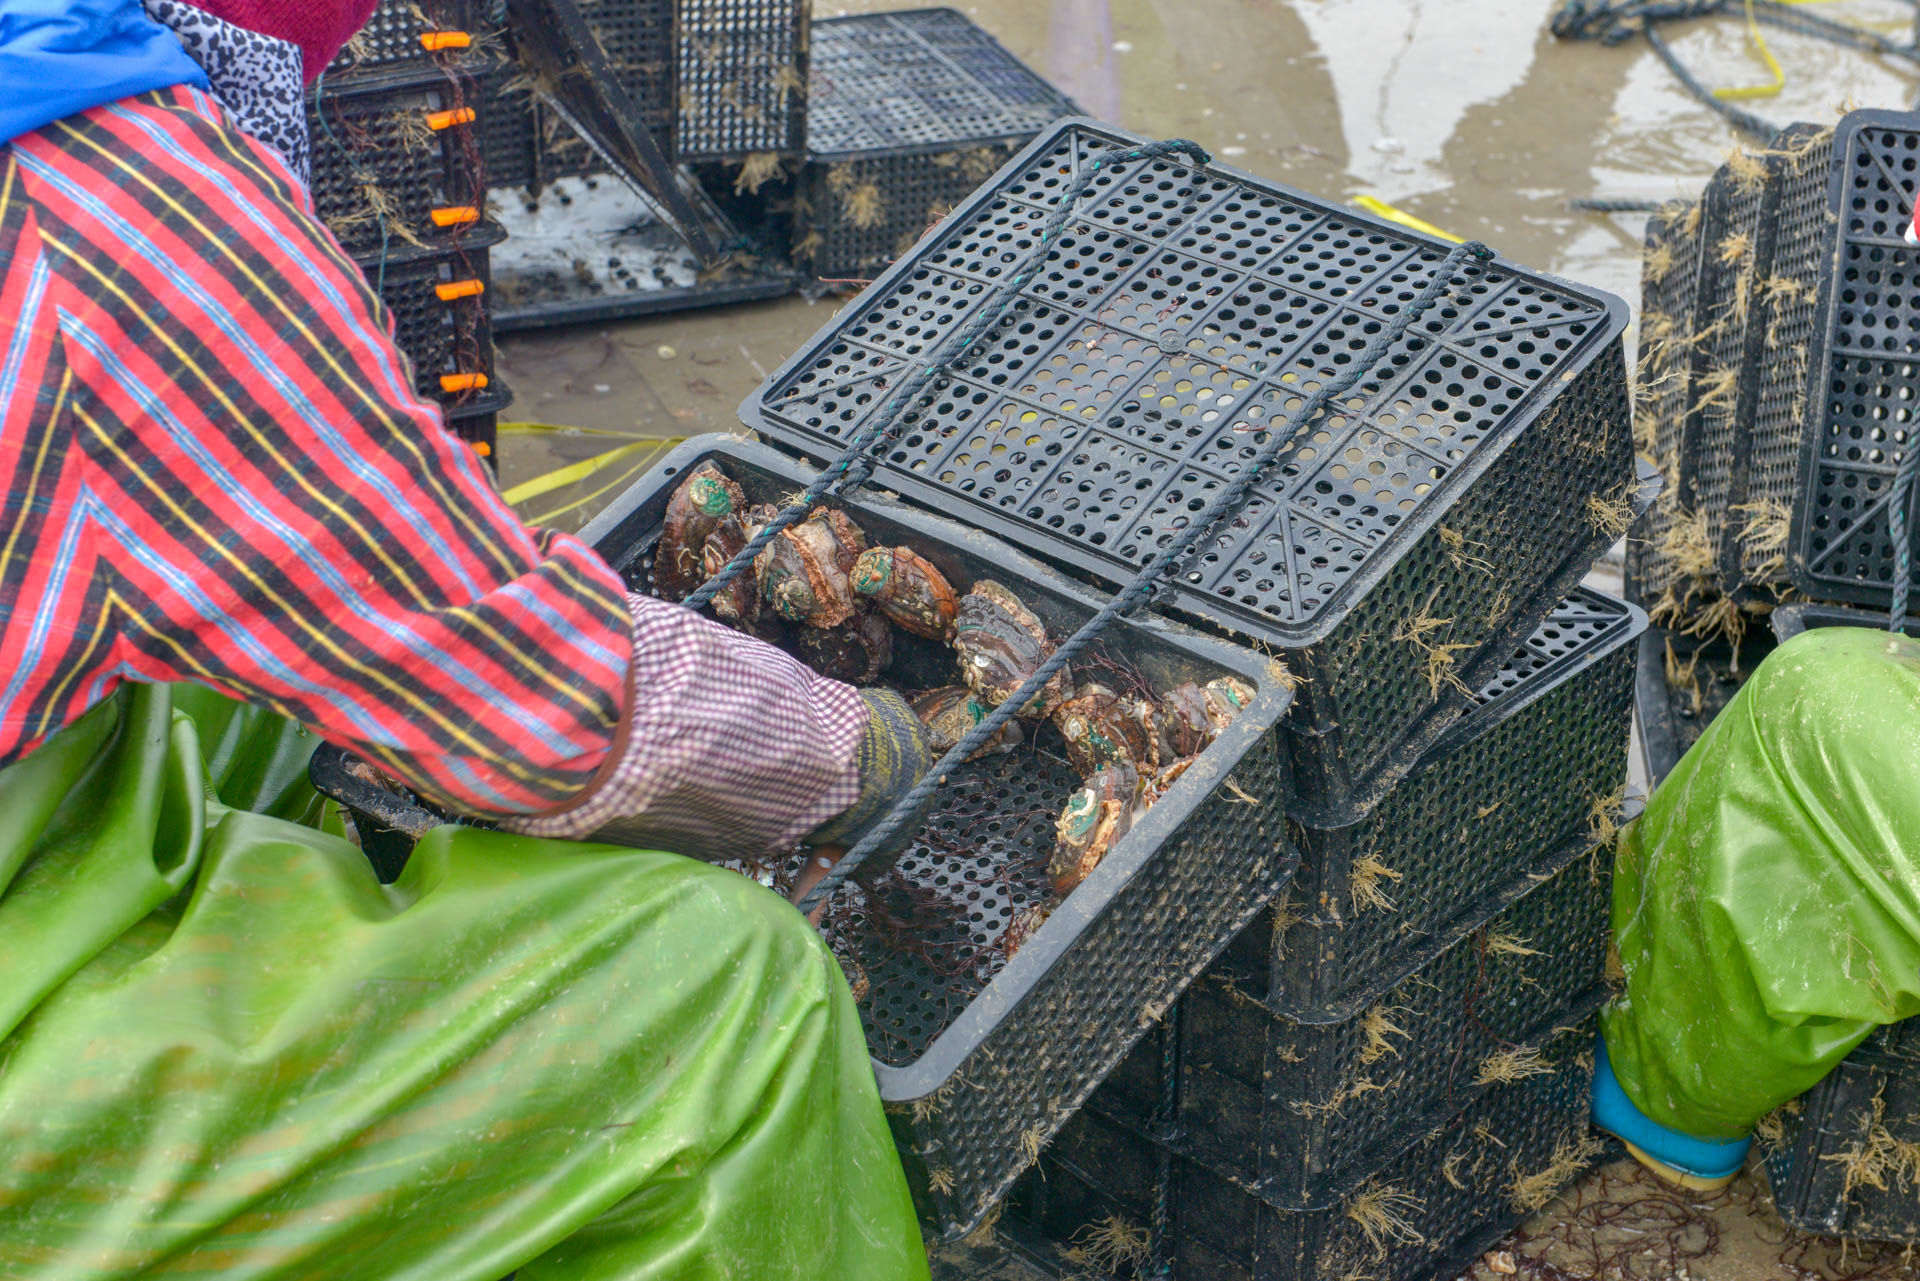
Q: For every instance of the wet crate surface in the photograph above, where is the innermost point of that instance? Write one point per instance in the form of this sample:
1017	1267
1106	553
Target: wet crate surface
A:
1669	290
1681	684
1182	315
1866	358
1302	1113
980	1058
1455	1192
909	112
441	336
742	77
1540	759
1822	1169
380	170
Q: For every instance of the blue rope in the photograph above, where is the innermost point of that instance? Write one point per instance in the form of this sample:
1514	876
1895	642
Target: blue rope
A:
1900	505
907	813
851	470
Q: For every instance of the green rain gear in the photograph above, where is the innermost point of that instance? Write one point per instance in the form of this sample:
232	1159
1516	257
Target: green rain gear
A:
227	1051
1767	904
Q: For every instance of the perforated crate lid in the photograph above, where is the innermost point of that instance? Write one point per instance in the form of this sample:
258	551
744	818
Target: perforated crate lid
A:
919	80
1180	315
1583	628
1859	407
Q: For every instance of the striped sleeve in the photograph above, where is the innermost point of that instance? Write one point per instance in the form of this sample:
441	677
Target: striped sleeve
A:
259	502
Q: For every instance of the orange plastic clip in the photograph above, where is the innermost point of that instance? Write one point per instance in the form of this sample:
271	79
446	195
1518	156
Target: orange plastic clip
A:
441	41
483	449
440	120
455	290
456	215
451	383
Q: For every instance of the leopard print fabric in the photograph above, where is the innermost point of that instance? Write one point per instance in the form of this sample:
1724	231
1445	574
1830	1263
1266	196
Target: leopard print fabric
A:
255	77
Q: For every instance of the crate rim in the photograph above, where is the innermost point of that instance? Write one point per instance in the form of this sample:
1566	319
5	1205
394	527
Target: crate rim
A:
937	148
483	237
1790	620
1819	368
1266	714
756	413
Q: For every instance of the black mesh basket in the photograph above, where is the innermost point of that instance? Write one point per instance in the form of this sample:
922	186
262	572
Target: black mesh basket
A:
981	1058
441	308
401	37
909	112
1302	1113
1427	1213
1866	356
742	78
476	420
1478	471
1681	684
1542	757
1669	286
385	178
637	38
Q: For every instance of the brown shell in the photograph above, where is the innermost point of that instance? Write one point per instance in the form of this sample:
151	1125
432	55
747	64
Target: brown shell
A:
1185	728
705	498
1101	728
1226	698
1094	820
856	652
804	572
950	713
1151	790
908	590
1001	643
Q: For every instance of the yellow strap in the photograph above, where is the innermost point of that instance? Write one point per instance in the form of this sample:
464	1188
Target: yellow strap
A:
1381	209
1740	92
565	429
575	472
625	476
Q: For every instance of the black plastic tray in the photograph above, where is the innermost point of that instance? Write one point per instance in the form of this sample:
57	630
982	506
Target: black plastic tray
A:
390	40
371	133
979	1064
476	420
742	77
1669	287
1302	1113
1674	714
1858	426
1450	1196
910	111
1542	756
1091	423
440	337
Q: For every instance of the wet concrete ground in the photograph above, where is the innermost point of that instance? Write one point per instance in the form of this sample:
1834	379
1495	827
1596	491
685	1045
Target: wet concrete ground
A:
1466	113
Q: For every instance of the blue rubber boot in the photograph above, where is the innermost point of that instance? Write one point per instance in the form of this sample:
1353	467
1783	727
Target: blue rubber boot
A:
1704	1165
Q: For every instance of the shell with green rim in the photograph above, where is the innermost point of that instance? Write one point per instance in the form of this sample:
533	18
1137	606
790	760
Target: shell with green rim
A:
908	590
1000	643
1095	819
695	509
951	712
1102	728
804	573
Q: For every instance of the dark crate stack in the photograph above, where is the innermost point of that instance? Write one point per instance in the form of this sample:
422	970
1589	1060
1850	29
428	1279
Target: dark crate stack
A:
908	113
399	166
1838	1159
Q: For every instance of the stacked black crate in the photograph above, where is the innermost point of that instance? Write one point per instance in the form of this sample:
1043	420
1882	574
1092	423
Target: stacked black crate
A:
399	178
908	113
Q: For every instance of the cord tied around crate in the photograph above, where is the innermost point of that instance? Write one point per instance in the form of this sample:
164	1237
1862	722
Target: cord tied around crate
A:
856	465
1902	504
907	814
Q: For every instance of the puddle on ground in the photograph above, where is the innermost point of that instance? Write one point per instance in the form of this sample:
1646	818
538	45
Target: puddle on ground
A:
1467	113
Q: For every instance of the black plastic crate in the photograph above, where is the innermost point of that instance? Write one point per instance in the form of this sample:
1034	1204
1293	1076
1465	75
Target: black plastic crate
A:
1540	758
439	320
1183	313
637	37
1837	1165
1302	1113
1670	272
383	175
476	420
1428	1213
742	78
981	1058
392	41
1866	355
1681	684
909	112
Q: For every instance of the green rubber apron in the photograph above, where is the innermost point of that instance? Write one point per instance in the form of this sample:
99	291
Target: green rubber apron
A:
227	1051
1767	905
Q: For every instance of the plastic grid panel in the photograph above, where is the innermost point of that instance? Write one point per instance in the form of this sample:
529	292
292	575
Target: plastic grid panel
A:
1860	417
1499	796
1669	290
1303	1112
1789	311
1461	1177
979	863
1439	410
390	40
742	77
1871	1095
379	168
636	36
439	336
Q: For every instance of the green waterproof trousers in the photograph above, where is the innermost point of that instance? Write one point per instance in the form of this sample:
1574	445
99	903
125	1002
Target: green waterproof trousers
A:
227	1051
1767	904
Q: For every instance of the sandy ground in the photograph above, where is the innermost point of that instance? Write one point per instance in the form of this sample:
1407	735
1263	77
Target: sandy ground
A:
1464	112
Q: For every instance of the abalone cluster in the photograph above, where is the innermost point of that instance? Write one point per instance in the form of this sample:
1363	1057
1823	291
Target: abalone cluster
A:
824	593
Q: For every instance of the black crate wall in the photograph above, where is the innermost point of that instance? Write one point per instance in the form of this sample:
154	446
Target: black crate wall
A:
908	113
742	78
